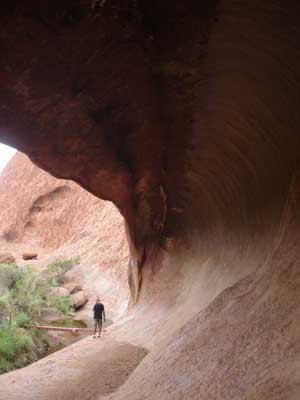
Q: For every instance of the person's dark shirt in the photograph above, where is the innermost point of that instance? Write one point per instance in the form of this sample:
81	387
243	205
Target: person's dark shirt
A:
98	310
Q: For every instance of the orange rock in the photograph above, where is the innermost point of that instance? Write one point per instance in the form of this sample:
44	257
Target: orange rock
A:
79	298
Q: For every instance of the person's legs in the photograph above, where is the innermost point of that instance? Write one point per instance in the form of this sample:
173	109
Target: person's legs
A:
95	327
100	327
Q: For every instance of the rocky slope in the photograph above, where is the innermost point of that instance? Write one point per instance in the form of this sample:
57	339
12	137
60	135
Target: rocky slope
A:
81	364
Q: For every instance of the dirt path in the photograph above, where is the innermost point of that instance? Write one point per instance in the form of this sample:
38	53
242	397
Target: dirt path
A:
86	370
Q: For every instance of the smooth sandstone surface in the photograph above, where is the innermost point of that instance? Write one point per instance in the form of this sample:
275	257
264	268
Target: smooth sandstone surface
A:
81	379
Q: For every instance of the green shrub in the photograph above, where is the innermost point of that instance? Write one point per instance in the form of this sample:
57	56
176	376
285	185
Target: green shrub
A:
62	304
4	303
14	343
19	347
58	268
21	319
8	276
24	295
29	294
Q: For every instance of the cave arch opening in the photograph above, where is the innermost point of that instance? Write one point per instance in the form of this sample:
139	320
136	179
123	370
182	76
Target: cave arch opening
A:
56	219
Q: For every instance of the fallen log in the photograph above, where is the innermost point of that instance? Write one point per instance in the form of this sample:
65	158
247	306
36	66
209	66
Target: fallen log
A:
59	328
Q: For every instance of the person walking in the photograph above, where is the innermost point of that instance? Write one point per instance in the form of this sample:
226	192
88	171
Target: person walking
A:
98	312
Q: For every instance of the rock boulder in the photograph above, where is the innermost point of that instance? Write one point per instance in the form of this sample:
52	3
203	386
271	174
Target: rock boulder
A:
72	287
30	256
52	315
79	299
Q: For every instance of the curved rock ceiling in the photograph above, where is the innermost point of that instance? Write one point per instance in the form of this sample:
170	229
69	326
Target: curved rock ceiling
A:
184	114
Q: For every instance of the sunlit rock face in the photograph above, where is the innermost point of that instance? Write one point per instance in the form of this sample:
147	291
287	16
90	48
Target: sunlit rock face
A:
185	115
57	219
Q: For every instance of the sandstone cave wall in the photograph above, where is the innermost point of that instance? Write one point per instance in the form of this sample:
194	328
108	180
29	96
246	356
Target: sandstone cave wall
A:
232	151
186	116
